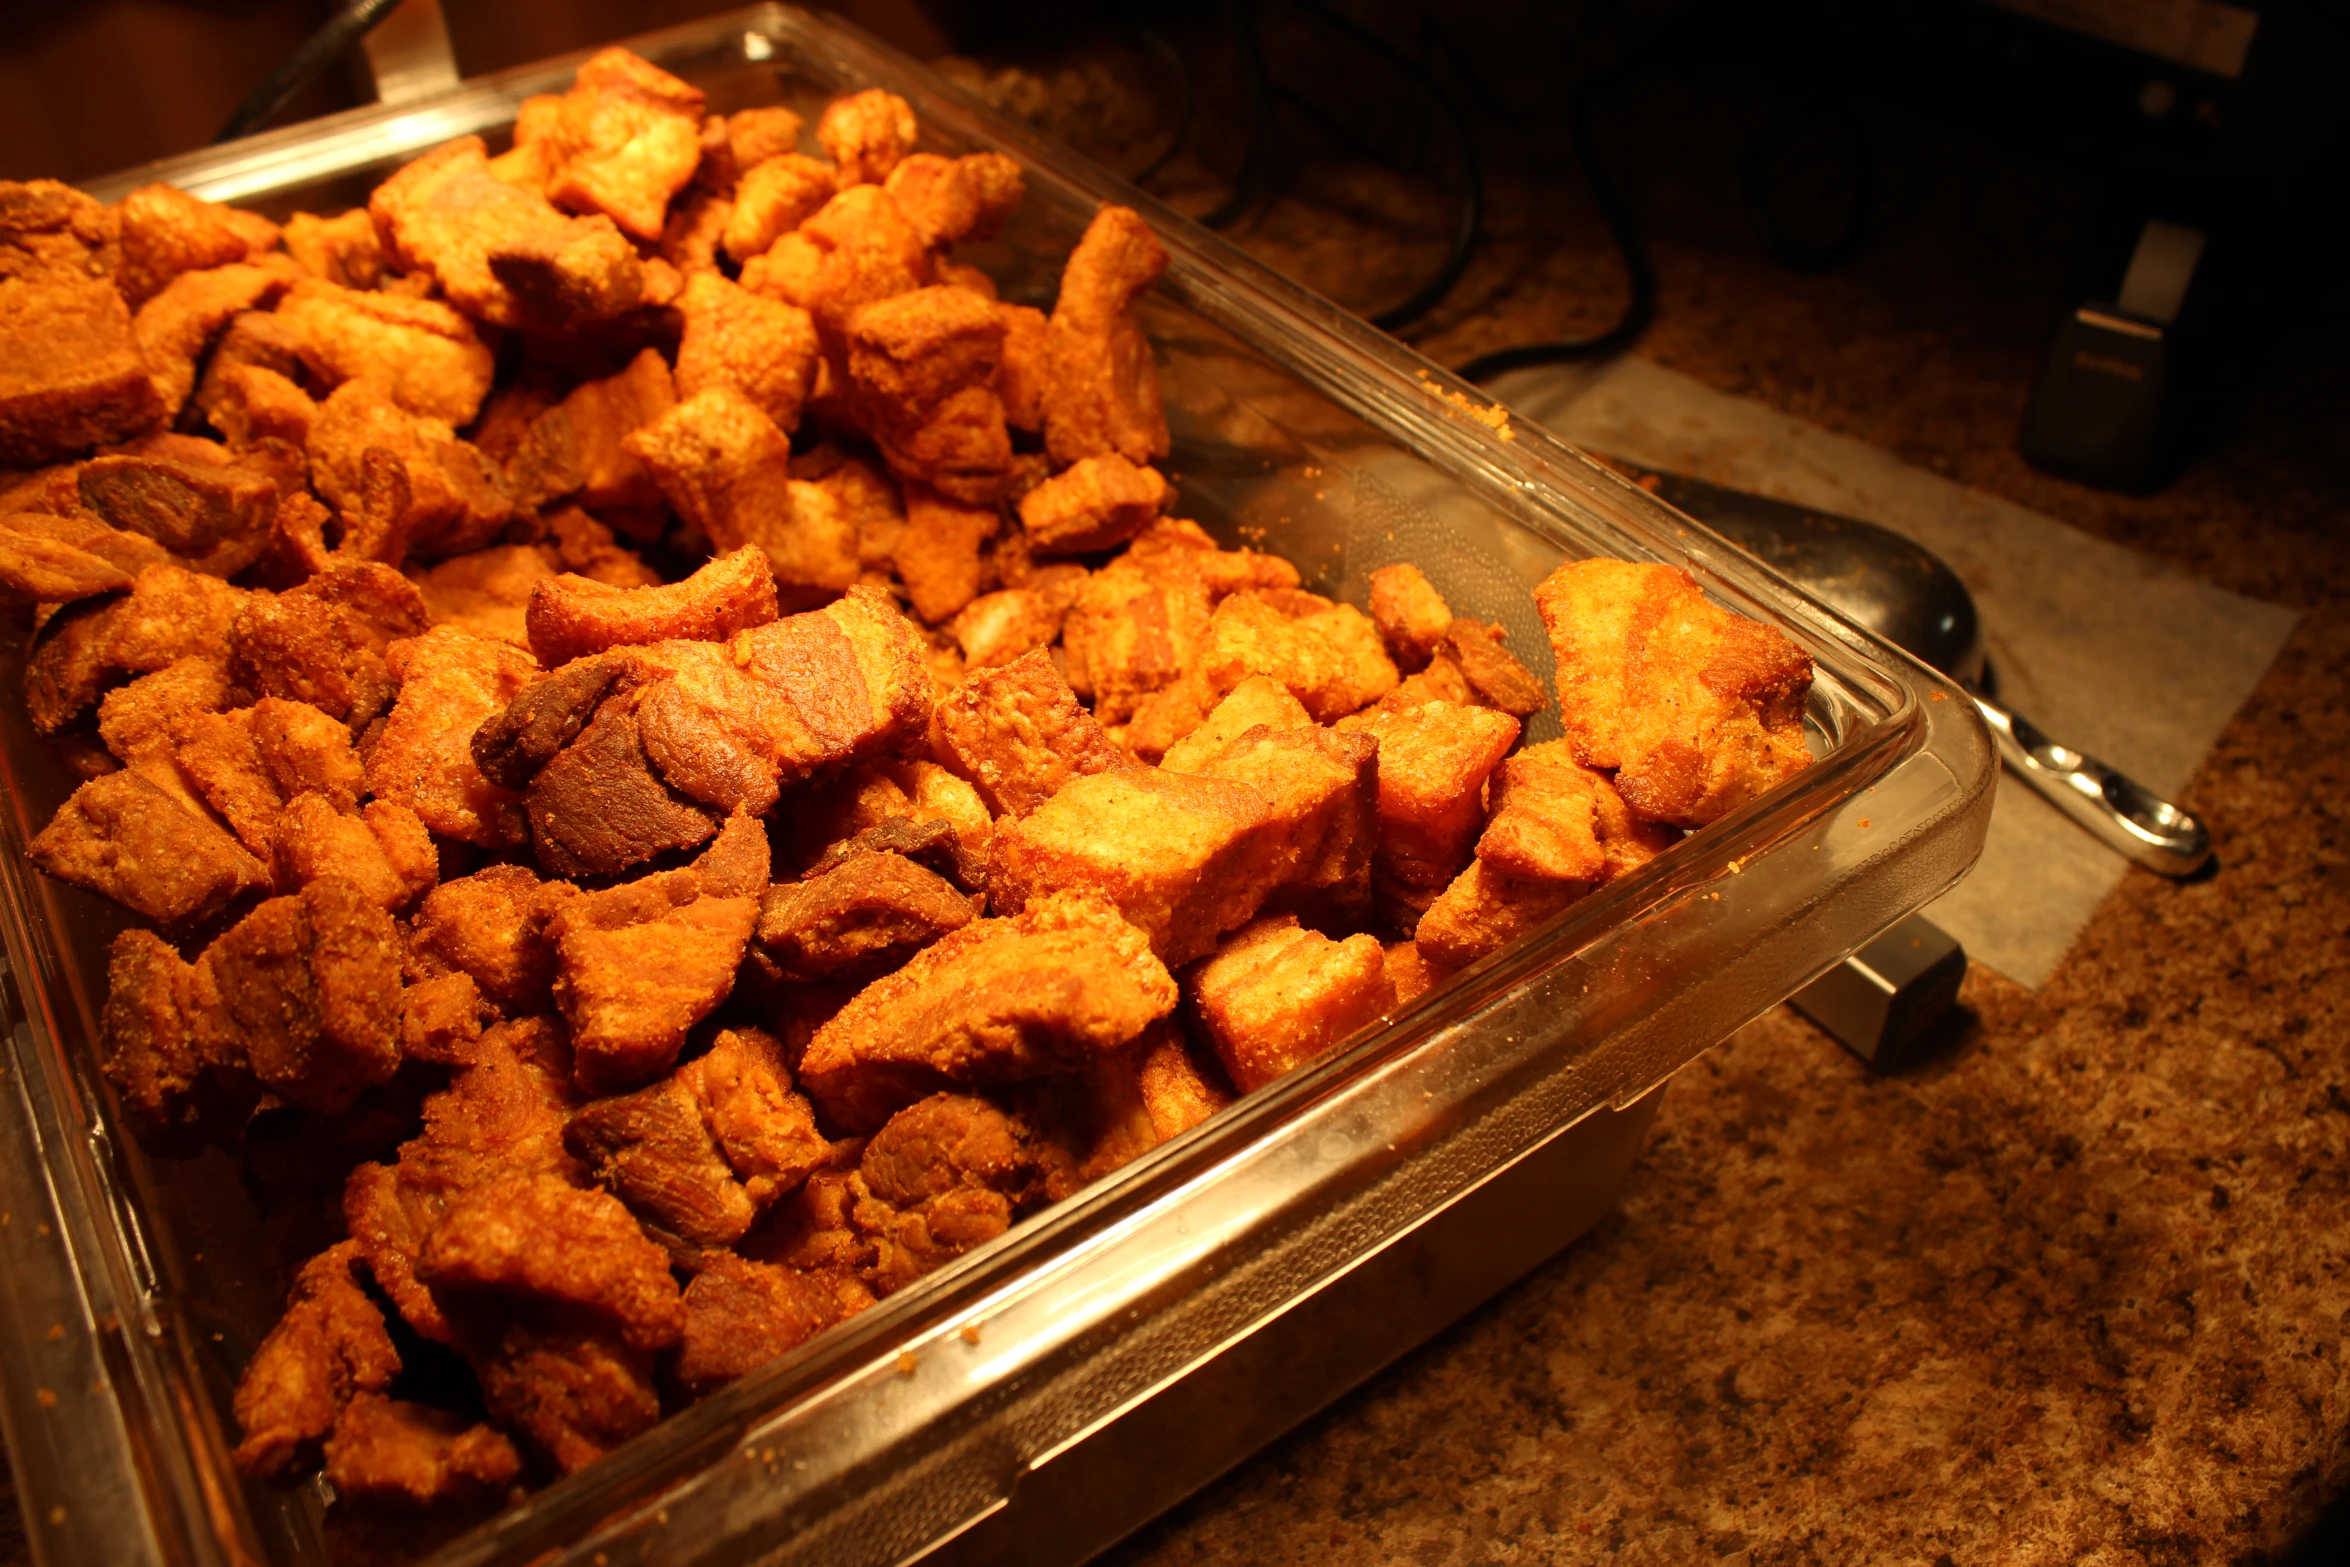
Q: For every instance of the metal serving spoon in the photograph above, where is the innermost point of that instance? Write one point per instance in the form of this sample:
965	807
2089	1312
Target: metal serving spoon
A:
1904	593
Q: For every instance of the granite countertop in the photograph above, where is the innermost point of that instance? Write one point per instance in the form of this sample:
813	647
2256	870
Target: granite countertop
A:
2073	1290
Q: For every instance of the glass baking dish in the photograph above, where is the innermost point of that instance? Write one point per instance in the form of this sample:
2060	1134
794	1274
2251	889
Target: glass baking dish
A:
1049	1392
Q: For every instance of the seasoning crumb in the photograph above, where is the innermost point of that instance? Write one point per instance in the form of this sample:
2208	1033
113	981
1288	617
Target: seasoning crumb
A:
970	1332
1492	415
46	1396
1864	821
57	1514
906	1362
56	1331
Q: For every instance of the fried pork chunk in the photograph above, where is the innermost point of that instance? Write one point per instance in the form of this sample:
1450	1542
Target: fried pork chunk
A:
425	354
1259	699
944	1176
491	926
344	250
137	721
330	1348
324	642
739	1315
384	850
250	762
865	134
579	446
71	374
762	348
1328	655
625	139
450	683
175	327
858	918
169	614
391	1450
858	248
501	253
572	616
1276	995
1102	390
937	554
600	807
1696	709
56	560
213	516
126	838
1183	858
775	196
1410	614
949	200
1139	1097
638	965
1484	910
1018	734
1139	624
1323	792
1099	502
1554	819
1433	763
995	1002
921	379
165	232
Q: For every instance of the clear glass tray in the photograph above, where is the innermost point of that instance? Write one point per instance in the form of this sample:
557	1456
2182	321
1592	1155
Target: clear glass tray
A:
136	1289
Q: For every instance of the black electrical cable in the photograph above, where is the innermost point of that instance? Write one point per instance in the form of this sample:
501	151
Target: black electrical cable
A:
318	53
1169	56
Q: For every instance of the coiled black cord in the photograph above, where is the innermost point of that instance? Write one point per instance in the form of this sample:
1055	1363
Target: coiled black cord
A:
350	23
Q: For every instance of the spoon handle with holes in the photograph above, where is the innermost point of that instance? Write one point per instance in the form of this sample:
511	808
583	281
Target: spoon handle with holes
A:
2125	813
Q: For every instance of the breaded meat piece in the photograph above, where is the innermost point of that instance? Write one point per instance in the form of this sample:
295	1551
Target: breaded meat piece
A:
1492	670
949	200
213	517
697	226
858	919
727	469
625	139
1328	655
485	592
1096	503
1485	910
1184	858
1131	635
572	616
135	721
324	641
1410	614
1101	389
390	1451
579	447
166	232
592	549
384	851
122	836
1433	763
71	375
1025	369
1440	681
998	1001
859	492
762	348
537	1240
1553	819
764	1126
249	403
344	250
56	560
1019	735
996	628
169	1090
1323	789
424	353
773	198
175	327
1276	995
921	381
599	808
492	927
450	683
1175	550
250	762
169	614
455	500
937	553
1696	710
1260	699
639	964
865	134
440	1018
503	254
734	144
944	1176
1154	1089
329	1348
858	248
739	1315
1411	973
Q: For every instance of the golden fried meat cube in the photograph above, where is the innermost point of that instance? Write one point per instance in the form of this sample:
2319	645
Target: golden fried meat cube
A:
1323	791
946	1175
71	374
1411	973
1175	550
166	232
125	838
762	348
950	200
1553	819
324	641
426	354
752	136
937	554
1697	710
739	1315
1184	858
450	683
1095	503
384	850
389	1451
773	198
858	919
1025	368
1433	763
727	469
248	763
1485	910
43	559
135	721
1130	634
697	226
572	616
579	447
492	927
1018	733
865	134
996	628
1155	1089
250	403
169	614
1260	699
454	501
862	493
1492	670
1276	995
344	250
858	248
486	592
584	545
1101	387
503	254
1410	614
921	376
1001	1000
174	328
214	517
627	138
329	1349
1330	657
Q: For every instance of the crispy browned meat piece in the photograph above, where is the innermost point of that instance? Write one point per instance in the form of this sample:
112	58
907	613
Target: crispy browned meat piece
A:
450	683
599	807
170	1089
921	380
859	918
534	1237
1433	762
492	926
572	1395
384	851
949	200
1183	858
455	500
750	137
547	715
386	1449
175	327
1410	614
639	964
249	403
1484	910
136	721
1553	819
932	842
946	1175
440	1018
306	991
485	592
1102	391
166	232
1492	670
727	469
624	140
248	763
763	348
71	375
124	837
324	641
1136	1098
764	1127
169	614
776	196
996	628
1018	734
865	134
1275	996
1098	502
216	518
344	249
1328	655
1323	790
857	248
330	1347
937	553
503	254
995	1002
45	560
426	354
1259	699
580	446
1129	636
739	1315
592	549
697	225
1696	709
572	617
